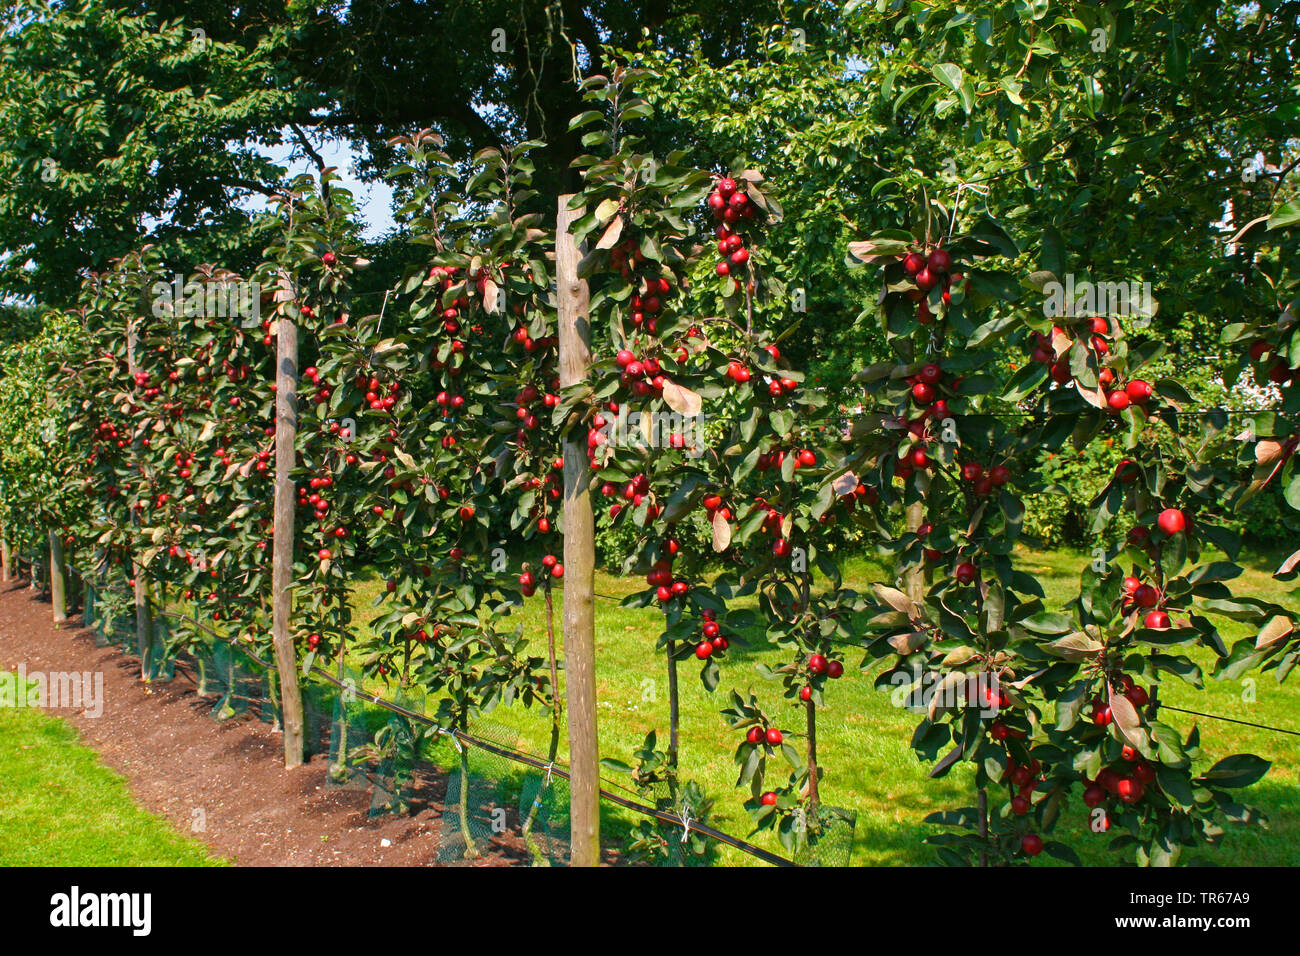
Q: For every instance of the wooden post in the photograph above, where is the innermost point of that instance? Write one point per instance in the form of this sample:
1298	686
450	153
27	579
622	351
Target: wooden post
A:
915	583
286	432
814	786
143	621
58	578
6	561
992	615
674	711
139	573
579	559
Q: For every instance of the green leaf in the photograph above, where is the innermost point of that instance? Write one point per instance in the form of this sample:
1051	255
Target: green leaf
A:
1094	95
1238	770
949	74
1285	216
1025	380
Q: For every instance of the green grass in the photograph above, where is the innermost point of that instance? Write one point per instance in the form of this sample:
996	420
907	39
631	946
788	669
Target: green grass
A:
62	807
863	739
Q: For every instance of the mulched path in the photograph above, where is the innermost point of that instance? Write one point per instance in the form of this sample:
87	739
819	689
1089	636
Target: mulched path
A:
177	760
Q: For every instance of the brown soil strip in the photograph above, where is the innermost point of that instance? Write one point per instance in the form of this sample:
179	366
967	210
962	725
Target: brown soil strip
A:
178	760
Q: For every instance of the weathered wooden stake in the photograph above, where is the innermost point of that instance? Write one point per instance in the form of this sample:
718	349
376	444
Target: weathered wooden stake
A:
139	573
58	578
915	578
579	559
286	432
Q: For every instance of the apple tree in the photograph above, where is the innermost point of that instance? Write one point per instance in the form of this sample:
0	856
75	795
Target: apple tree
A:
1040	700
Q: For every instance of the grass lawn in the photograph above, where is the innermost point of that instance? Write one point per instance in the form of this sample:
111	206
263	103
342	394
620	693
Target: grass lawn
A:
863	740
62	807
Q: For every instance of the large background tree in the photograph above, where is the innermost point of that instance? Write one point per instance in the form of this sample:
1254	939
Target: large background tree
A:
125	125
122	127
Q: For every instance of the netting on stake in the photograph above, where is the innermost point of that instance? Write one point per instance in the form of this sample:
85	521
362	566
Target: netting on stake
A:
829	837
349	732
399	746
109	614
544	809
162	663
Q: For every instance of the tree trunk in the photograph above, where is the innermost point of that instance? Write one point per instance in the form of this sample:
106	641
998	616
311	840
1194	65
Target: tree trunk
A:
201	677
984	826
579	559
993	621
339	771
286	432
915	577
813	791
143	614
471	848
674	712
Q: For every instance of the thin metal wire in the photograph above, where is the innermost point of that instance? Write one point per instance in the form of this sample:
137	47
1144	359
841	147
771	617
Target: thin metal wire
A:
1232	720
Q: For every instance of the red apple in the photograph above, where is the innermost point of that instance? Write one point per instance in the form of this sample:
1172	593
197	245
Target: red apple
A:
1157	621
1129	790
1139	391
939	261
1171	521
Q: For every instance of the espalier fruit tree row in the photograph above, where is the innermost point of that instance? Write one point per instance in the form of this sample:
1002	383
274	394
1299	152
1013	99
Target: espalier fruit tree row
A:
428	447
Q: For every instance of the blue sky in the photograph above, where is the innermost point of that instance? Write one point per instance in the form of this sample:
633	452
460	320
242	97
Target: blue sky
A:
374	200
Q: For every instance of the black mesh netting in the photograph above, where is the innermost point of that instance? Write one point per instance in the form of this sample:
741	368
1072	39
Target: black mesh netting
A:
202	669
400	744
235	680
544	810
162	664
318	717
350	729
488	797
829	837
677	841
110	614
484	796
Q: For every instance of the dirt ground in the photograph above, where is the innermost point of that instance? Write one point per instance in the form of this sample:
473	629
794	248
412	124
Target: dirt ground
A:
179	760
